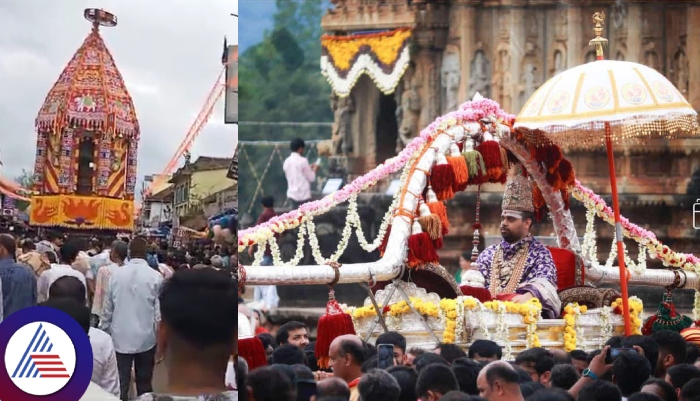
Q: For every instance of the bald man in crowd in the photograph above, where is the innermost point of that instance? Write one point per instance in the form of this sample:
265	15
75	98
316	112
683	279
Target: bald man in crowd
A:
346	356
498	381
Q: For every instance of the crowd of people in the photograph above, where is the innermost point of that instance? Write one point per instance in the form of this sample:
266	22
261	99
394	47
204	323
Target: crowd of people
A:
141	305
661	367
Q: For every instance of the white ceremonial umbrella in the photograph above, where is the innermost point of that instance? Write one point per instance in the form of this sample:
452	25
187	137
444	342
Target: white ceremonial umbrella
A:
604	102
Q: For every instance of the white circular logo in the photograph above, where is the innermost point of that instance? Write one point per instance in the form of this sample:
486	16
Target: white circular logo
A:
40	358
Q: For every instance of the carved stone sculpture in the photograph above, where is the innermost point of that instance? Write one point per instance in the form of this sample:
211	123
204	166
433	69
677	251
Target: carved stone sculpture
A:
681	75
502	79
559	64
407	110
480	80
342	133
450	78
529	82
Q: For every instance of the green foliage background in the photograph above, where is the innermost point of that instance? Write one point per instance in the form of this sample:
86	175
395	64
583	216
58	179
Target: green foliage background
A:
280	81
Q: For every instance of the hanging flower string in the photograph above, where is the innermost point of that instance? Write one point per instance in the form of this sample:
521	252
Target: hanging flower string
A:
646	239
472	111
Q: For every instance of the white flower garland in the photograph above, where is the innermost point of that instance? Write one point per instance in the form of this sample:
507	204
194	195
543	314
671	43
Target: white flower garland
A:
590	249
502	332
459	329
307	227
606	325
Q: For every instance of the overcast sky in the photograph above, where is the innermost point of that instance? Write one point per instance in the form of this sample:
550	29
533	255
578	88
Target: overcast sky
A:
169	54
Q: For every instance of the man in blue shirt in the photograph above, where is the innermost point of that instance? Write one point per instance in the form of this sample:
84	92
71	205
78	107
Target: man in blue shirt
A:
19	289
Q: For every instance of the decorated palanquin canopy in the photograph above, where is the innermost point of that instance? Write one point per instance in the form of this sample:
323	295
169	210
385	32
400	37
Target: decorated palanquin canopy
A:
383	56
636	102
87	110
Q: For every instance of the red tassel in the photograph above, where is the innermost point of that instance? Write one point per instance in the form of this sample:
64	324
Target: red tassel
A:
442	179
439	209
647	329
251	349
459	166
554	179
385	240
333	324
460	146
566	171
438	243
491	152
476	226
554	156
421	250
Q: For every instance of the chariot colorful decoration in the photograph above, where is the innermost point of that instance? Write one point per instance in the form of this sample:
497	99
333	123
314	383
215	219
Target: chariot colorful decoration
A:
87	142
601	103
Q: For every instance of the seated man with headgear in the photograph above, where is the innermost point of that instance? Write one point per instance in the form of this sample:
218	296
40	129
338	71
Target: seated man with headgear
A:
519	267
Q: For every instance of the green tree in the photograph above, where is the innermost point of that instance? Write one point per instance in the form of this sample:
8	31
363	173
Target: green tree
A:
280	81
26	179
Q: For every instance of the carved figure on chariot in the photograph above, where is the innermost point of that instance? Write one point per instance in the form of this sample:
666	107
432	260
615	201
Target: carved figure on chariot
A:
87	142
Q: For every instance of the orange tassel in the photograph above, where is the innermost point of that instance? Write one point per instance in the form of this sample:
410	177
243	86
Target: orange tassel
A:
333	324
251	349
459	166
537	197
442	179
439	209
421	250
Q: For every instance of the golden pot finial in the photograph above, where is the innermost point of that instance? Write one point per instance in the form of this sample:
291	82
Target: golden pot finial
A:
599	42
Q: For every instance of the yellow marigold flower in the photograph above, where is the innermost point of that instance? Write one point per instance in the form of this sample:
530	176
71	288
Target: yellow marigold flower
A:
470	303
450	325
583	308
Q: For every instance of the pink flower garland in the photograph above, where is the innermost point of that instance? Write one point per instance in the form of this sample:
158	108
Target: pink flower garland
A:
472	111
634	230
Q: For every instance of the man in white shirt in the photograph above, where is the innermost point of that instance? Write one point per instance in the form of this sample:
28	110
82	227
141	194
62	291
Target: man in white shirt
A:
117	256
130	315
67	255
299	174
104	358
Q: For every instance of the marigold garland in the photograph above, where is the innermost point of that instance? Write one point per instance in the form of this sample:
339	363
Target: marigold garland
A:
572	313
636	309
383	56
530	311
385	46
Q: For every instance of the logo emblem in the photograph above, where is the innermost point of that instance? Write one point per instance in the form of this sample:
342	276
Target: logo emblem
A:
47	356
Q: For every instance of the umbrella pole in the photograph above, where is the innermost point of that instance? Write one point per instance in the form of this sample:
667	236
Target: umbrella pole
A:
618	232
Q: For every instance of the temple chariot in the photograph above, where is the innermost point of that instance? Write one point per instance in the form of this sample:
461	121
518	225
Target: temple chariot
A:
598	104
87	143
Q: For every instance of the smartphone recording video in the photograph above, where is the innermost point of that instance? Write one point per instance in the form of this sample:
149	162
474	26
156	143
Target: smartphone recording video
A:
385	356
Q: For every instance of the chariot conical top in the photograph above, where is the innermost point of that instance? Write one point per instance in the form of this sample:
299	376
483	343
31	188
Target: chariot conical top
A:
90	93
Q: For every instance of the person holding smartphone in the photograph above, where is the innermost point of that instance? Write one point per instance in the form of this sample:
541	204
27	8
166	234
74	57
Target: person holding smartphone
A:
299	173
